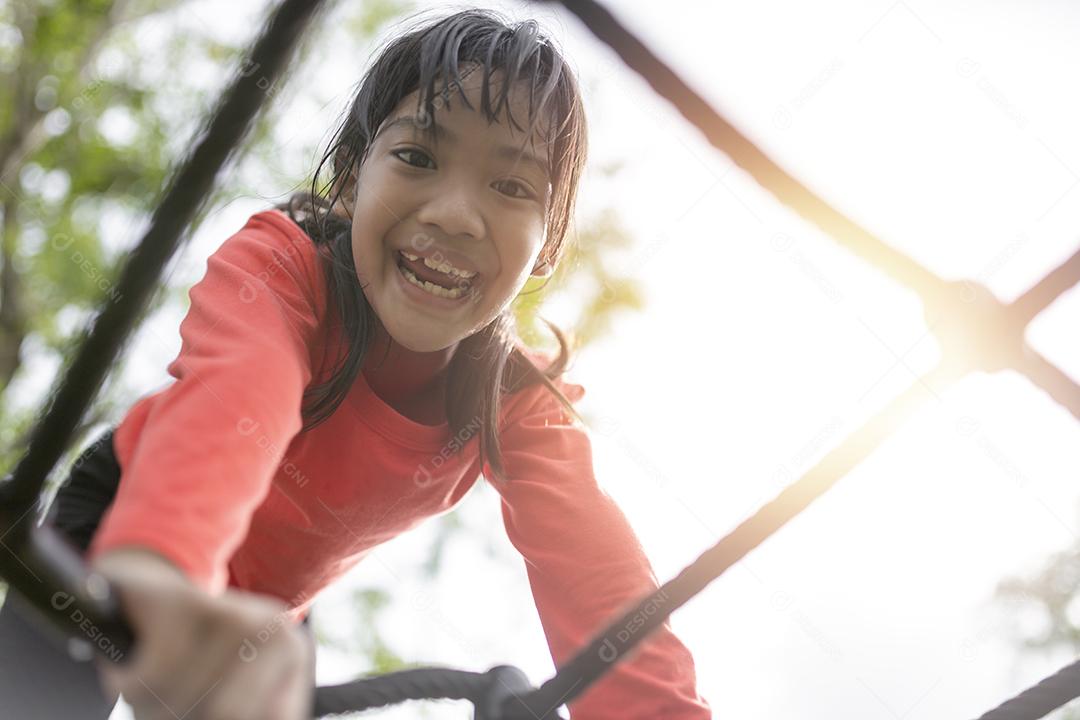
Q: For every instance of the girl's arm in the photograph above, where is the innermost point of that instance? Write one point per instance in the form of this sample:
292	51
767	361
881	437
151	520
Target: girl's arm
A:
198	457
585	563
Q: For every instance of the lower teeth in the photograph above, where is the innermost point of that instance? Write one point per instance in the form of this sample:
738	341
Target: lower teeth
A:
437	290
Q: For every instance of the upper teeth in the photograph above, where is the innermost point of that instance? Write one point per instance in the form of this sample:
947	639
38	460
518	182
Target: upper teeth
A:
443	267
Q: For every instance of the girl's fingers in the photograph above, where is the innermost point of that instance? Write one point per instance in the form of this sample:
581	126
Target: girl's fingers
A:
255	684
108	676
193	686
295	700
199	656
182	688
299	688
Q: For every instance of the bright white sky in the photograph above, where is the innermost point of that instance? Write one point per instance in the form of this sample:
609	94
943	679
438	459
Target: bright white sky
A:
947	129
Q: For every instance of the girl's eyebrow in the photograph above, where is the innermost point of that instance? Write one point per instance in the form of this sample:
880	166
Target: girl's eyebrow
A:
439	131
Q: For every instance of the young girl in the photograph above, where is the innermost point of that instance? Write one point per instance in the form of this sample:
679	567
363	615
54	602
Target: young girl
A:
348	369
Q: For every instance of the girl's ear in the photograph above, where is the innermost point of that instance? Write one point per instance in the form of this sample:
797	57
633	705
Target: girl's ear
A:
345	203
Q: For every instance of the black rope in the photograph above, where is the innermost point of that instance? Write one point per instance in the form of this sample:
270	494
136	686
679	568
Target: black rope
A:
1044	292
497	694
396	687
1050	378
618	640
1041	699
724	137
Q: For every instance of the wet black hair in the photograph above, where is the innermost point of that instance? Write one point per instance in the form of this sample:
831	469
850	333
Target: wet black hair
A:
490	363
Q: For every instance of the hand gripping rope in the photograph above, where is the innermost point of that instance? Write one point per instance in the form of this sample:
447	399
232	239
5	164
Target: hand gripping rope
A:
977	332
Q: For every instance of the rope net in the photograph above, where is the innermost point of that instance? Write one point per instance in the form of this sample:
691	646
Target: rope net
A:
976	331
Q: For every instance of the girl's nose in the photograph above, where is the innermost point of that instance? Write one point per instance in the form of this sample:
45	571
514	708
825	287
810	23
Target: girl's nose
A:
454	210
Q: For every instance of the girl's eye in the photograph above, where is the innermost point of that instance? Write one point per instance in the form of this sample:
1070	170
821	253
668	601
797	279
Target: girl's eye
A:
515	186
416	154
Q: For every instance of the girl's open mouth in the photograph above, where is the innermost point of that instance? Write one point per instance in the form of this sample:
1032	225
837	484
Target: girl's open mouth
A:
432	282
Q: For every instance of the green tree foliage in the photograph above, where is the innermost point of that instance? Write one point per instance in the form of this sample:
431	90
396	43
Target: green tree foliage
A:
58	174
599	297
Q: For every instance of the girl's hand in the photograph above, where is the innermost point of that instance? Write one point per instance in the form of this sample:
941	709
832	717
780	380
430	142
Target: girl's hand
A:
233	657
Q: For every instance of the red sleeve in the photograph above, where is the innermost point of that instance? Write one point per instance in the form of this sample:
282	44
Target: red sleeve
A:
209	445
585	564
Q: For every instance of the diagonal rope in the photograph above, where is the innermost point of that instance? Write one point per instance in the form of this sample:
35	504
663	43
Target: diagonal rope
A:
1048	377
1040	699
1044	292
616	641
723	136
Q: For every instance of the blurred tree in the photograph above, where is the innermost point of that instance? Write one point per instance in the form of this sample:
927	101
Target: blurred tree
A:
93	117
1054	591
604	293
58	173
1052	595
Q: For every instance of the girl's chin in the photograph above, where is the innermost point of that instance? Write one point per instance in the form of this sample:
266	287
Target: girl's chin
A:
408	336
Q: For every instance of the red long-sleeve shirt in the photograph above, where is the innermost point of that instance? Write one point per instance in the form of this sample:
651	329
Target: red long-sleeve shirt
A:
217	477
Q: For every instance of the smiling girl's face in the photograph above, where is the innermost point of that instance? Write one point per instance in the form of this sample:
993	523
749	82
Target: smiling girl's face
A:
454	189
